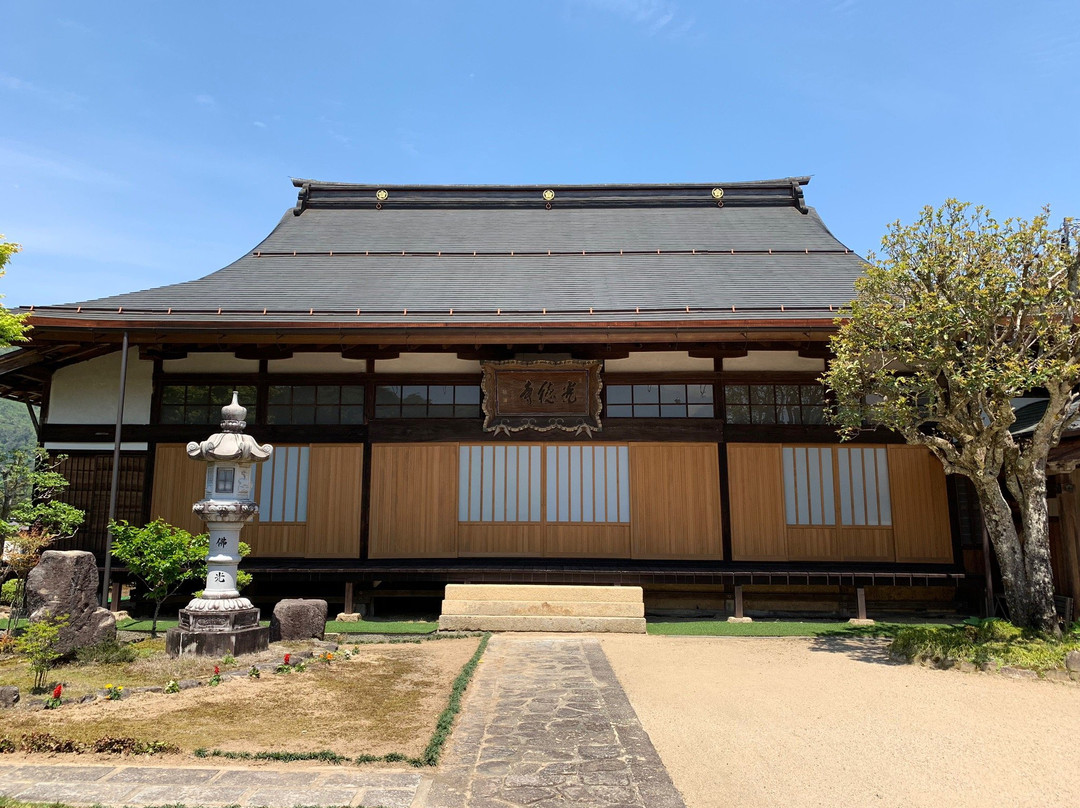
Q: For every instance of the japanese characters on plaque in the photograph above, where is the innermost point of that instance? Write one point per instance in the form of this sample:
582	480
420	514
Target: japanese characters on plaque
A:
542	395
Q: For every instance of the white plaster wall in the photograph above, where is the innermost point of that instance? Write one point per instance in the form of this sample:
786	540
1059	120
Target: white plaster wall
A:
216	362
316	362
95	447
427	363
85	393
657	362
774	360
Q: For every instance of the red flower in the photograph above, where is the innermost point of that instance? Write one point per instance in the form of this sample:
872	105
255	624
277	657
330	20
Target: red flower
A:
57	691
216	670
287	658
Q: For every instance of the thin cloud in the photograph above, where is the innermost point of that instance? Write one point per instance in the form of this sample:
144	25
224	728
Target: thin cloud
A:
655	16
18	160
205	100
56	98
259	124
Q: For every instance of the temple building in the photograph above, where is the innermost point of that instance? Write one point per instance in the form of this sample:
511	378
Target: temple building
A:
552	384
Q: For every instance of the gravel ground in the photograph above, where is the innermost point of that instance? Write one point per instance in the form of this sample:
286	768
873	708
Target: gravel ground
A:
813	722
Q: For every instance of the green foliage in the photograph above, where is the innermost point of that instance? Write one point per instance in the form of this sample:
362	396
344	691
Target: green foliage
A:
8	592
172	686
959	316
109	652
30	512
326	756
38	644
161	557
16	428
992	642
12	326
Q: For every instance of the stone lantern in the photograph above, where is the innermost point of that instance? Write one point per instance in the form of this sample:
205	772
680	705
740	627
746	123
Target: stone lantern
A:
220	620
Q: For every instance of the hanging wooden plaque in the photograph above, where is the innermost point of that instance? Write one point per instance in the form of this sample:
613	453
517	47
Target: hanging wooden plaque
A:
542	395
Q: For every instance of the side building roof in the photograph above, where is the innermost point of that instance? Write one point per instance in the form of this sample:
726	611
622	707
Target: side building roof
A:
352	255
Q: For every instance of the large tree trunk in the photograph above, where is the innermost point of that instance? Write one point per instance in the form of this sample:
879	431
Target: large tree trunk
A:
1036	548
1025	566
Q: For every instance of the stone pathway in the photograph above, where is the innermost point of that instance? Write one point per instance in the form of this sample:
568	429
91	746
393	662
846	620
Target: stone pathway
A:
545	723
151	785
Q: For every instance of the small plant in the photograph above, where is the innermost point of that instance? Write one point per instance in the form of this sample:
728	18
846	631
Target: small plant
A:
254	672
284	667
228	659
109	652
38	645
7	643
300	666
114	692
9	592
172	686
326	657
215	680
7	746
56	700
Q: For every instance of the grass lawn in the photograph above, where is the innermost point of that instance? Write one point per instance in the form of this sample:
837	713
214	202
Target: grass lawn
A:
692	627
385	698
376	626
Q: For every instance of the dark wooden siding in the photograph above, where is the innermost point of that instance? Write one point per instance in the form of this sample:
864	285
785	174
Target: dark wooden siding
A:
90	478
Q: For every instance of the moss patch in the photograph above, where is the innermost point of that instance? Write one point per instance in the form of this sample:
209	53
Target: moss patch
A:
994	642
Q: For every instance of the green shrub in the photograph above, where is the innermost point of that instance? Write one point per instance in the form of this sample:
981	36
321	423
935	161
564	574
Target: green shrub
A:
38	644
109	652
8	592
991	642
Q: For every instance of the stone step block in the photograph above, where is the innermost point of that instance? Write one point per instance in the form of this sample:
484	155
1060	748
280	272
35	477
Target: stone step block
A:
544	592
474	622
545	608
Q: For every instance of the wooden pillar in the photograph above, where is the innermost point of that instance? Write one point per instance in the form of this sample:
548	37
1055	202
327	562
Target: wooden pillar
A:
114	597
860	598
1069	514
348	598
738	603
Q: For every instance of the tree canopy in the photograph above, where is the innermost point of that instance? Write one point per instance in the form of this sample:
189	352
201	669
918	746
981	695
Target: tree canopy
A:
957	318
13	327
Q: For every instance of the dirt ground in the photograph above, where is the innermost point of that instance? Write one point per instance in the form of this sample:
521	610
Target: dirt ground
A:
386	698
814	722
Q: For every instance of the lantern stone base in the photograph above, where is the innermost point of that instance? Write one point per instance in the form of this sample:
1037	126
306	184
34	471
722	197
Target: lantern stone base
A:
216	633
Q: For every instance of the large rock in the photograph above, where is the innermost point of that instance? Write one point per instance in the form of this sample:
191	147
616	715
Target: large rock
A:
66	582
9	696
298	619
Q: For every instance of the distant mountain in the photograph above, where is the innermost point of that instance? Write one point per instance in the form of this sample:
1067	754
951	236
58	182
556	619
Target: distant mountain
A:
16	429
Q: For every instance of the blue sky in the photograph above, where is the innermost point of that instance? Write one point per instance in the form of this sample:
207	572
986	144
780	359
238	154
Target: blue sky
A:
149	143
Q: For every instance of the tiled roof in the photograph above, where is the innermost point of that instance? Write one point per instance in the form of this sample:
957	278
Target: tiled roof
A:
457	254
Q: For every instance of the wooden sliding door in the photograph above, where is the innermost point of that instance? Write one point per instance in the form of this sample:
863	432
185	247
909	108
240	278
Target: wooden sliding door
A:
413	500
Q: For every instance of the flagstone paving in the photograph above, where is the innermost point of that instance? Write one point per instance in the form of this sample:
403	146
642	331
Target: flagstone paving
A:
209	786
546	723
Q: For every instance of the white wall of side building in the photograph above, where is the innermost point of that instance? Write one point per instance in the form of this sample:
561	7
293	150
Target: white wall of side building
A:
316	362
658	362
774	361
86	392
216	362
427	363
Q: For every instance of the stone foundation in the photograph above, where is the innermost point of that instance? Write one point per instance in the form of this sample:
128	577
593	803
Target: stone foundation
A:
217	633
